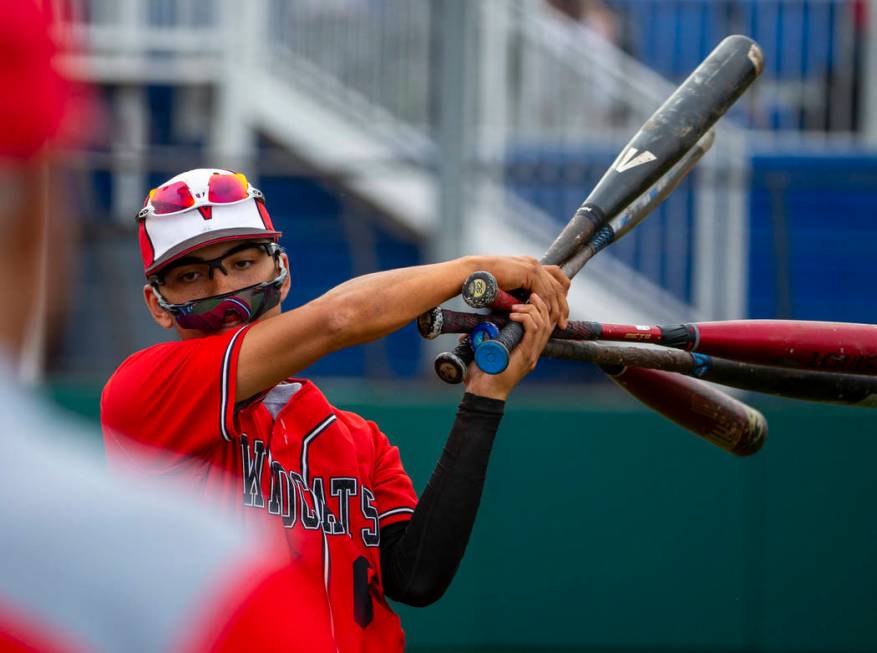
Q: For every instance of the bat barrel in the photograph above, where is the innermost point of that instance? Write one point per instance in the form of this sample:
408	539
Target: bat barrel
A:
825	346
696	406
639	210
808	385
672	130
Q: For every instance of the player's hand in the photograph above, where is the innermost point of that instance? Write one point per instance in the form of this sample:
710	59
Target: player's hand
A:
547	281
538	325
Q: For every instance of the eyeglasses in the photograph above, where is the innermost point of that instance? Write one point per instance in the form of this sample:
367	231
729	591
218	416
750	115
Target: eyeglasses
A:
222	188
209	313
248	303
193	275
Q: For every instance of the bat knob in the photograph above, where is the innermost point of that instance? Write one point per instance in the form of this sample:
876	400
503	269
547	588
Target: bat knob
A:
430	323
481	333
479	289
492	357
450	368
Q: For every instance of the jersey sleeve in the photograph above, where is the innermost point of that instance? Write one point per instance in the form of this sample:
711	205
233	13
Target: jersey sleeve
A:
395	498
176	397
394	495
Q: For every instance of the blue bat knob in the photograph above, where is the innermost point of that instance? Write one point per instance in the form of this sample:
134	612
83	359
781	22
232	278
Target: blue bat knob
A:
492	356
481	333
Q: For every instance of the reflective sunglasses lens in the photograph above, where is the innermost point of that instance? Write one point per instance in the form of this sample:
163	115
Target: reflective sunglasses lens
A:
224	189
172	198
210	314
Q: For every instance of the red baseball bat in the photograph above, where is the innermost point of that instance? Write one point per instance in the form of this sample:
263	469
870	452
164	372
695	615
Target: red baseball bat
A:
692	404
827	346
696	406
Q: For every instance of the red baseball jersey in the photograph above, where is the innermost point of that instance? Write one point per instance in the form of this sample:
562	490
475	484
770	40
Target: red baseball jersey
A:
326	478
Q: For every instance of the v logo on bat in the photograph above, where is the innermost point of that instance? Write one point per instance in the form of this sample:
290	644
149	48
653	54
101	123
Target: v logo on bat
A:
628	161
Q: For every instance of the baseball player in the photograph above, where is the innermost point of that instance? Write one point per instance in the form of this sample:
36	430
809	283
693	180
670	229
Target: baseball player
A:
221	409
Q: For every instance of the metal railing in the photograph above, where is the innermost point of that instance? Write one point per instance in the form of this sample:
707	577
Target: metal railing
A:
156	27
382	52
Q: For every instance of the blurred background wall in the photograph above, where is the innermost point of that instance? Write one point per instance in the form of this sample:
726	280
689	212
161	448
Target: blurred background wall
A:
388	133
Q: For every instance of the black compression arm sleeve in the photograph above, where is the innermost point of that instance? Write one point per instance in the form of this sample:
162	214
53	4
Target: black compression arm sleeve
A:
420	557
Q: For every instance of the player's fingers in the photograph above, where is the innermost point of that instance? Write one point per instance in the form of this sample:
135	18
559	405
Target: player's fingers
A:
557	299
558	287
526	355
545	322
528	316
553	292
564	283
537	324
558	274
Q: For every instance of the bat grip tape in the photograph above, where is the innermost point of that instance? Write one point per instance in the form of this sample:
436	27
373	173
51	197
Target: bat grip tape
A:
679	336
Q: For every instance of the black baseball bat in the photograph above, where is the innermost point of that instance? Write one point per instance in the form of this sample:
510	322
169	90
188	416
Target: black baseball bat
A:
480	289
665	137
809	385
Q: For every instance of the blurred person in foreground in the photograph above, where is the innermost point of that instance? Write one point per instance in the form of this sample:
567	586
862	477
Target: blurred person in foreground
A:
221	408
87	565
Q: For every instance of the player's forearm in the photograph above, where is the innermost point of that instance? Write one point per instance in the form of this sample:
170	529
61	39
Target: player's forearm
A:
361	310
374	305
419	562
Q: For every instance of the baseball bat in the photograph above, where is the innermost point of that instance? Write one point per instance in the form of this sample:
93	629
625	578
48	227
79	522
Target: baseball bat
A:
480	290
451	367
664	138
826	346
696	406
692	404
809	385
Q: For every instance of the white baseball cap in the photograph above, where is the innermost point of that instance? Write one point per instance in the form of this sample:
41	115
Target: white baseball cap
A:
197	208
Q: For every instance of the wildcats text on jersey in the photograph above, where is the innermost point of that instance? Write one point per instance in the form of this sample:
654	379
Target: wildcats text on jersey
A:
291	499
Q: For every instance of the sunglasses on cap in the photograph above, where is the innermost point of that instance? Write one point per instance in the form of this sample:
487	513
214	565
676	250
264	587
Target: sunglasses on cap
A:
222	188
